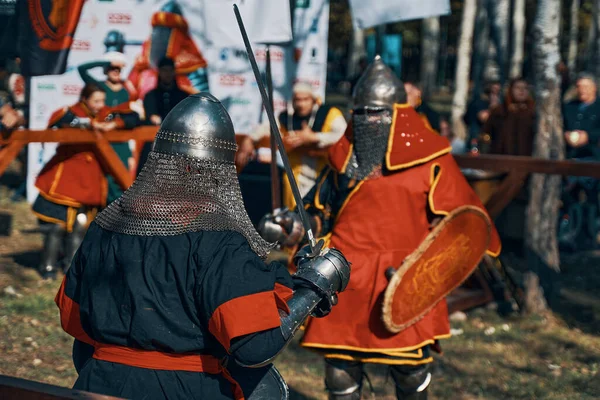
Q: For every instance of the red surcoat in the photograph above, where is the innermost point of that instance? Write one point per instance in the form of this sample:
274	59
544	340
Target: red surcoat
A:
382	221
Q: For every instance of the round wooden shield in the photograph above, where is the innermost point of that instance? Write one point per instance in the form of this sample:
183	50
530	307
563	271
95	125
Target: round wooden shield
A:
447	257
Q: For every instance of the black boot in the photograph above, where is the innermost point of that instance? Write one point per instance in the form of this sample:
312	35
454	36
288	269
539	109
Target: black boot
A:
52	246
411	381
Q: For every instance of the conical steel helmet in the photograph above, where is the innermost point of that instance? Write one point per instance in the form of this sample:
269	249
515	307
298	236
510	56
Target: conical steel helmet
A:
378	87
200	127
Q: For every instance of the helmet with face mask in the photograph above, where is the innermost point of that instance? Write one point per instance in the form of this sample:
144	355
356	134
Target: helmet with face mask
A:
375	94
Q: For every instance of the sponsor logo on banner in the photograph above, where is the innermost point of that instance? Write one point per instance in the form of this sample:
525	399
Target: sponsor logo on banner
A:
46	86
276	55
232	80
81	45
71	90
119	18
315	83
239	101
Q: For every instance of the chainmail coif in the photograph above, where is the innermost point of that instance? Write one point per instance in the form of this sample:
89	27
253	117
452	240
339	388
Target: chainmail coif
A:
175	194
371	132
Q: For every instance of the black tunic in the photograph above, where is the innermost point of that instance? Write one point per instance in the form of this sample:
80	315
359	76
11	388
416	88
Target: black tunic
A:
198	293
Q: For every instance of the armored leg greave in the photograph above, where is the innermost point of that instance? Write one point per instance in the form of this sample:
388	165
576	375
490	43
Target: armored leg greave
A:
411	381
52	246
74	239
343	379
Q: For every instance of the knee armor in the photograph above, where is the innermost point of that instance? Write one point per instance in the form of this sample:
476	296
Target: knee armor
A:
343	379
411	381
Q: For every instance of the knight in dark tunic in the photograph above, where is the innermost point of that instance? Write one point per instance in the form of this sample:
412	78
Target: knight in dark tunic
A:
169	295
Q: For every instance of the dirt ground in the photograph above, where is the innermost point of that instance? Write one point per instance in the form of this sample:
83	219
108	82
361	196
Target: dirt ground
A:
488	357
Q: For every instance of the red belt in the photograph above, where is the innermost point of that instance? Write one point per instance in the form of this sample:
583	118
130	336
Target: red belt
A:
165	361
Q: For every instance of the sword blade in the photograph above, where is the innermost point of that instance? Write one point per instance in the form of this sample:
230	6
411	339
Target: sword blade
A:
277	135
275	186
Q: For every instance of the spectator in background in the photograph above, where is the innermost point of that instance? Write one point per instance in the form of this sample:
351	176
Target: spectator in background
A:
14	113
581	120
511	125
308	130
10	118
118	94
458	145
159	101
478	110
428	114
72	184
12	98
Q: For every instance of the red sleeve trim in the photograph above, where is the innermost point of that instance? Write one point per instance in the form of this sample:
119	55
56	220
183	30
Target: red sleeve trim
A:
245	315
283	294
69	316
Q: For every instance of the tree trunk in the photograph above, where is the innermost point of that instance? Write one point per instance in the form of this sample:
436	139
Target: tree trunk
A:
357	51
596	18
498	13
573	36
516	62
481	47
463	64
430	49
542	211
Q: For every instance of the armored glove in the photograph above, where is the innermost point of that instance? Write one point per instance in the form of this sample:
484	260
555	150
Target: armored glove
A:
283	226
327	274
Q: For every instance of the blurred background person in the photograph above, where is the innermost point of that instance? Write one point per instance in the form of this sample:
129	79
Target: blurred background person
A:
415	99
581	123
581	120
308	129
511	124
458	145
73	184
118	95
478	110
160	101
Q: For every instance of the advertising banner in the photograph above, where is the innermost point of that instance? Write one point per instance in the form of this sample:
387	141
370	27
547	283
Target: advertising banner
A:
366	14
208	54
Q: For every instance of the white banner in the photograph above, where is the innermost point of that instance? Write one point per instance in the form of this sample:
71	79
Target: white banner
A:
266	21
311	29
366	14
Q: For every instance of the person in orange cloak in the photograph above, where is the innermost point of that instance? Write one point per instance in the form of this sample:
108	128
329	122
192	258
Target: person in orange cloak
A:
391	179
170	38
73	184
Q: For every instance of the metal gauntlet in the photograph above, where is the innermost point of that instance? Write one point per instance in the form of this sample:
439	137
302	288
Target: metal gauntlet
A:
316	285
283	226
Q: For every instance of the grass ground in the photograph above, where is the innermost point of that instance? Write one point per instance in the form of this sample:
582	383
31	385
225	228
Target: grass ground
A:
556	357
